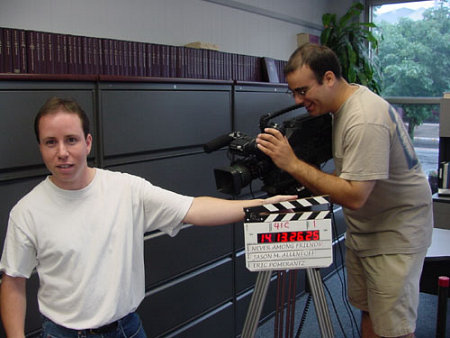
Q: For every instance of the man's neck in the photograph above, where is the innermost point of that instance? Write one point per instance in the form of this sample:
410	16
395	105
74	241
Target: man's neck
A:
343	92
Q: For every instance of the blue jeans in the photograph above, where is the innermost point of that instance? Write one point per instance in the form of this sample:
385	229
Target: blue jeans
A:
129	326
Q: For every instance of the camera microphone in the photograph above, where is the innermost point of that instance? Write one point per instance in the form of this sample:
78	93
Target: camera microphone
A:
218	143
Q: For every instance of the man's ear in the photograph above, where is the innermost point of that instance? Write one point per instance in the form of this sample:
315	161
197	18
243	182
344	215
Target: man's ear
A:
89	142
329	78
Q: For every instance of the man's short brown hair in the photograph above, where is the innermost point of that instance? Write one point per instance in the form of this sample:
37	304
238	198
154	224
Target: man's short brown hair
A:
319	59
55	104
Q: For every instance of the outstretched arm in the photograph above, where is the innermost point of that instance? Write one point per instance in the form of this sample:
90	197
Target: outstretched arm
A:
350	194
217	211
13	305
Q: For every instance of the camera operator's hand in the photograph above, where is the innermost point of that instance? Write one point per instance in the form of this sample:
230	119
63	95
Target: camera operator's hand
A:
275	145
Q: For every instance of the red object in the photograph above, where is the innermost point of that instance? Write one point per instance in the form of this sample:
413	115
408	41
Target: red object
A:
442	306
444	281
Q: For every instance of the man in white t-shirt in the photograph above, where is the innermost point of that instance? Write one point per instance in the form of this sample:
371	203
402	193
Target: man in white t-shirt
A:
377	180
82	229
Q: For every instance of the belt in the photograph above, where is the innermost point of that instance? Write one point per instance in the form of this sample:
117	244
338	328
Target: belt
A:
105	328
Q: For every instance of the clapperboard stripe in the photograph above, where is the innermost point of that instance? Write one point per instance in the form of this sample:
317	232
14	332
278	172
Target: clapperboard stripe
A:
324	214
272	218
301	203
310	215
295	216
271	207
306	215
289	210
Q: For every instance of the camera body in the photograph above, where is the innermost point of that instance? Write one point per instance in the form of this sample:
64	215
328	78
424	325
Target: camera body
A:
310	138
245	145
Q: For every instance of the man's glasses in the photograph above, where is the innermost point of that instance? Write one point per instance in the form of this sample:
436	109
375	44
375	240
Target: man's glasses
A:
298	92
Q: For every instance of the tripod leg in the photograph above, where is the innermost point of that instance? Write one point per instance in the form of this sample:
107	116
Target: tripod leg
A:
256	304
293	300
320	302
278	306
282	303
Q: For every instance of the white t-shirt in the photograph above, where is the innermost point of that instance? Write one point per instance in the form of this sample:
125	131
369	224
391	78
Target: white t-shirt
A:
87	245
370	142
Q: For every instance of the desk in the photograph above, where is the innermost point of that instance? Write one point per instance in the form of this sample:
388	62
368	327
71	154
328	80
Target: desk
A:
437	261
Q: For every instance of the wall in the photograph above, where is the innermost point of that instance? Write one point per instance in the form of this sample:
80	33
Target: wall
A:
252	27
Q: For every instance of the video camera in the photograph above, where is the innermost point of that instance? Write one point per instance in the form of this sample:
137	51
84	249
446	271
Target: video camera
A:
309	137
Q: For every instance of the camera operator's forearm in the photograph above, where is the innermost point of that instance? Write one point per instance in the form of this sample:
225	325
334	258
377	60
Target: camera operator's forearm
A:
216	211
13	305
312	178
349	194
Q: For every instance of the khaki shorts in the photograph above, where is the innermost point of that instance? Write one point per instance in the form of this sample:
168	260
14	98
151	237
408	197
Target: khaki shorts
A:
386	286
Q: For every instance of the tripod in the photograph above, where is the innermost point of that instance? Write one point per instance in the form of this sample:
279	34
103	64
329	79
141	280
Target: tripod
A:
260	235
259	296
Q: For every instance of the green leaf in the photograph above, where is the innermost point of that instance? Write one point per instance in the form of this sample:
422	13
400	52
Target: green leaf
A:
351	40
328	20
351	75
368	24
352	56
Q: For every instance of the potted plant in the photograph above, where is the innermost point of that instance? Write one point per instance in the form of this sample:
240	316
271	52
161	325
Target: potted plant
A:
352	41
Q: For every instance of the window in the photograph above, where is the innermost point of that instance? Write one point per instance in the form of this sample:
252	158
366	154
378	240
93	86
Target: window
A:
414	58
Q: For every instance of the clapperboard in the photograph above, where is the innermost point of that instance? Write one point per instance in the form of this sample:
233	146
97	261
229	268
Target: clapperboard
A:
289	235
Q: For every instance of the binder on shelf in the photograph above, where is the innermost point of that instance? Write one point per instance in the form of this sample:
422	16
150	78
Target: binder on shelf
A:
172	59
19	52
155	61
165	60
32	53
237	63
59	42
196	63
213	64
148	59
74	54
256	69
49	45
270	70
35	52
181	70
98	56
203	63
40	53
107	50
227	66
280	67
79	54
2	66
71	55
191	62
118	57
141	59
86	59
125	46
7	51
46	49
129	58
